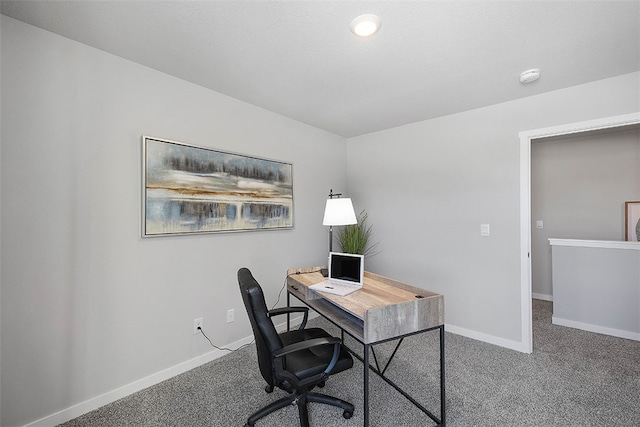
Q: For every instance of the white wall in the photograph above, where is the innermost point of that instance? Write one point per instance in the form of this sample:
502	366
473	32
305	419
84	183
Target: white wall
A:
87	305
579	184
428	186
596	286
0	229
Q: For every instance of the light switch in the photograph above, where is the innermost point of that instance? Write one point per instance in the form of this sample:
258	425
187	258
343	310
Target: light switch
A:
484	230
539	224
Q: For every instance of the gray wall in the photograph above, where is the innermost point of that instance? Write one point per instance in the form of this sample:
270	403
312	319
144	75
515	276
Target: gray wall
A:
87	305
579	184
428	186
597	288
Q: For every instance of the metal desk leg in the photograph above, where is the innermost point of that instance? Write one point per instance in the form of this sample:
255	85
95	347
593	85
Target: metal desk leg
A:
442	401
288	314
365	405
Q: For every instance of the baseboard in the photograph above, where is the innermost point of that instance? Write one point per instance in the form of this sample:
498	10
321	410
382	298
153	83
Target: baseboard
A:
595	328
111	396
490	339
543	297
94	403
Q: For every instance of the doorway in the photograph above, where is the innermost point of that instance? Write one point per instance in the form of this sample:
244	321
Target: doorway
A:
526	138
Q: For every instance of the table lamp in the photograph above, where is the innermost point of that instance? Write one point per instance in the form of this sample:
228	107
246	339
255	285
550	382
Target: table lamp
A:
338	211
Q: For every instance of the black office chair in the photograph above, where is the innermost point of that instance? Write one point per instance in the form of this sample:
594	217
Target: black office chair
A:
294	361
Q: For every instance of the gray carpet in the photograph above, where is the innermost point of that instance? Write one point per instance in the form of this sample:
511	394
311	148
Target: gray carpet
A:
573	378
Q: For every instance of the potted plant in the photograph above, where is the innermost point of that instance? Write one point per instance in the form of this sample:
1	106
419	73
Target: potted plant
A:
356	238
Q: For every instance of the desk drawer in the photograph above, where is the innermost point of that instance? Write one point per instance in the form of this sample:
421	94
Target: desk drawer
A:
298	290
298	284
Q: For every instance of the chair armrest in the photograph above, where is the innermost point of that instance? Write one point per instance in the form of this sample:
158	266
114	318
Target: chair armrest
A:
302	345
289	310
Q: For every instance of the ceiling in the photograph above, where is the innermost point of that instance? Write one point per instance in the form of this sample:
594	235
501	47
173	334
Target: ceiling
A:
299	58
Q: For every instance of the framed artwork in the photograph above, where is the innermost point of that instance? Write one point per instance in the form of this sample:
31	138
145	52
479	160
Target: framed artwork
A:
632	221
188	190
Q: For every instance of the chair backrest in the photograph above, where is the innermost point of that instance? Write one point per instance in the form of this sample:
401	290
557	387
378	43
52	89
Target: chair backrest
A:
267	339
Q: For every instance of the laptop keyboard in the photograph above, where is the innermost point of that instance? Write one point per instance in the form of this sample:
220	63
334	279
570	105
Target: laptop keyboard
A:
334	288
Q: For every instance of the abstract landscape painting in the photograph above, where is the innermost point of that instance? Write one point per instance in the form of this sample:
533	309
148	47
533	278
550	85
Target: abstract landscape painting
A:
191	189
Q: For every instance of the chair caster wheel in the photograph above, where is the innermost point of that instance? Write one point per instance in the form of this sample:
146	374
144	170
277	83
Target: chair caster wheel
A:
268	388
347	414
321	384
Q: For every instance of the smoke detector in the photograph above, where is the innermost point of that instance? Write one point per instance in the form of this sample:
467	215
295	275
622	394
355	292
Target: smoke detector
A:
530	75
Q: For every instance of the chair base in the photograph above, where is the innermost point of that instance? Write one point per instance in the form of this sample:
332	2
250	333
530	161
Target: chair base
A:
301	400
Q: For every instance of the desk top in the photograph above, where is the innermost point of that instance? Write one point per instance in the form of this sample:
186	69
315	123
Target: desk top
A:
384	308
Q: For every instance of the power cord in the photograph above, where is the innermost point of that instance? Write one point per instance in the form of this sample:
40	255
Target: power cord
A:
284	285
252	341
279	294
223	348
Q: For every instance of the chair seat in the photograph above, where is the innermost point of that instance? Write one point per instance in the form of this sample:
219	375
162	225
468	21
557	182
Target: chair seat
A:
312	361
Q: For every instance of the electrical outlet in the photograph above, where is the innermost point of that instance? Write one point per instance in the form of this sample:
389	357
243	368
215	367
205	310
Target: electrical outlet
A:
230	315
197	323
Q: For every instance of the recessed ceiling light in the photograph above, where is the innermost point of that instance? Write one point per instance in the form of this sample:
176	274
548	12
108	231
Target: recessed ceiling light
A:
365	25
530	75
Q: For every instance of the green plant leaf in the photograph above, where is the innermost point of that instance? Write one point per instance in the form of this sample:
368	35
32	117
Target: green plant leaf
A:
355	239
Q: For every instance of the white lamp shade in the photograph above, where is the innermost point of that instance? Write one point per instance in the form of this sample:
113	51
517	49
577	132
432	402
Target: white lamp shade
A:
339	212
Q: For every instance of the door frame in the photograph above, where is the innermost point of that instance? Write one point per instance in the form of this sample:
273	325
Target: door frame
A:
526	138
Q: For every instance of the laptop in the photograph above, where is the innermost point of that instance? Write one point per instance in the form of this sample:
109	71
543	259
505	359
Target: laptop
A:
346	274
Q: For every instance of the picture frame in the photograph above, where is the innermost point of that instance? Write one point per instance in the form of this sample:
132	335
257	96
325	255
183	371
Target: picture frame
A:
189	189
632	221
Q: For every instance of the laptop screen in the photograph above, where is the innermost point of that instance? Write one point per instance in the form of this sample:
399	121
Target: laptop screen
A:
346	267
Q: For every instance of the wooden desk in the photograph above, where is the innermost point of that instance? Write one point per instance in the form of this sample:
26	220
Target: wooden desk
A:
383	310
